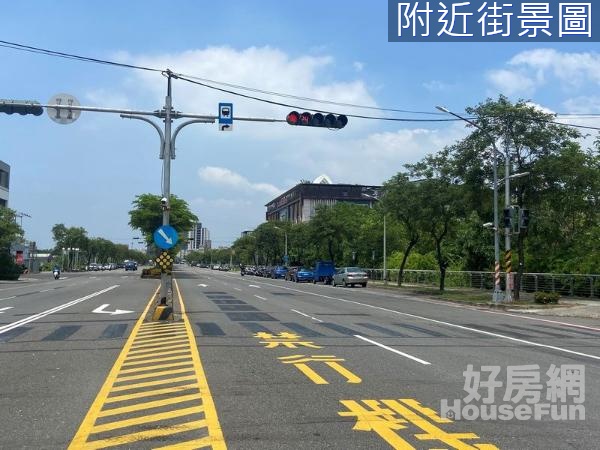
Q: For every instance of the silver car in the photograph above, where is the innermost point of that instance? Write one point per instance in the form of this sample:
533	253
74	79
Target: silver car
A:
350	276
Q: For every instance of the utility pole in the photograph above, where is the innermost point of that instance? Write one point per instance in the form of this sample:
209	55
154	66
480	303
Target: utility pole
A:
507	231
385	282
166	281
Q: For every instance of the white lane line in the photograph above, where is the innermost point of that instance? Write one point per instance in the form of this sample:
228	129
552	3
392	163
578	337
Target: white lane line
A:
585	327
8	298
46	290
203	285
262	298
254	286
306	315
237	289
414	358
448	324
11	326
6	308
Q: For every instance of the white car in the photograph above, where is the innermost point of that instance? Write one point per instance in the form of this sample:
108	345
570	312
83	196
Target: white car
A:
350	276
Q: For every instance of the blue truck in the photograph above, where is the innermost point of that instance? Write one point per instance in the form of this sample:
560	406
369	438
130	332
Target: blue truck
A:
324	271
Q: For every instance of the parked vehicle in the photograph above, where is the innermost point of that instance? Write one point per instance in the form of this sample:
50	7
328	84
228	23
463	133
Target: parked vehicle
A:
350	276
278	272
303	274
324	271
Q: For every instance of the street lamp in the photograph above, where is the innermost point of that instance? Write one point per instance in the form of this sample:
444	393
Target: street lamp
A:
285	257
497	295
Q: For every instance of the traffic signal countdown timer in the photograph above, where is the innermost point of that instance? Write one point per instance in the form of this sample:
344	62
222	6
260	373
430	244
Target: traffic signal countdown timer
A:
22	107
307	119
165	262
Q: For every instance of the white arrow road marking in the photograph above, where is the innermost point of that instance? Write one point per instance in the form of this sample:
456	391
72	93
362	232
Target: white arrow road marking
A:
306	315
100	310
253	285
202	285
167	239
414	358
5	308
12	326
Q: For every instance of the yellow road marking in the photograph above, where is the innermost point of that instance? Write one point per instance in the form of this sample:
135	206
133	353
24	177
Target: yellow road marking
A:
151	350
169	390
144	435
147	419
90	418
128	387
154	374
148	405
173	351
214	428
154	359
182	355
158	366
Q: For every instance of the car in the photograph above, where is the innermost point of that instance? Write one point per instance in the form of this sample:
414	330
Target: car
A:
278	272
303	274
324	271
350	276
130	265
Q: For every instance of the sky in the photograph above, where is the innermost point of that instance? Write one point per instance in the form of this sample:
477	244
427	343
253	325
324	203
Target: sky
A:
86	174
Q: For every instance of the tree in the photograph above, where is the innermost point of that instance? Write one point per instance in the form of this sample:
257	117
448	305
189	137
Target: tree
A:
10	231
146	216
400	199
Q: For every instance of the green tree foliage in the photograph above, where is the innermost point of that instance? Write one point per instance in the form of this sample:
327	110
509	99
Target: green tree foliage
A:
147	212
10	231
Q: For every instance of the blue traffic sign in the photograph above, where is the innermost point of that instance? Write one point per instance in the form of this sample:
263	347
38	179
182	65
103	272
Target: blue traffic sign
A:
225	113
166	237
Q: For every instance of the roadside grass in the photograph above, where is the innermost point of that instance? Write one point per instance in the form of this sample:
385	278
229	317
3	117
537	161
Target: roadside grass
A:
463	295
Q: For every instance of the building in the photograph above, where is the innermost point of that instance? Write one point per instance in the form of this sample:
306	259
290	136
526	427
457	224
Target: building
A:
300	202
199	238
4	183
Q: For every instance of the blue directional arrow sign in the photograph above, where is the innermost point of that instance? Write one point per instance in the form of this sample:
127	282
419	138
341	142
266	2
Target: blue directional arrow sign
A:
225	116
166	237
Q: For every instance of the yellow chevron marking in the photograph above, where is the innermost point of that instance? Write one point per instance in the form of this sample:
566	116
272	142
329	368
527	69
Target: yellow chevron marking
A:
127	387
148	405
151	350
182	355
186	362
171	351
147	419
154	374
169	390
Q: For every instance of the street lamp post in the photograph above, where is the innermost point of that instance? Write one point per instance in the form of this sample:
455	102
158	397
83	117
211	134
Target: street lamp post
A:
497	295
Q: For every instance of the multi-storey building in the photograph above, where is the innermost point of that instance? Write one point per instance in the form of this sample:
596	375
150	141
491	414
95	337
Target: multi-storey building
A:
300	202
199	238
4	183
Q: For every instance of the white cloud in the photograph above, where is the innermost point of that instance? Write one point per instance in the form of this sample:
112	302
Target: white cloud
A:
531	69
224	177
511	82
358	66
435	86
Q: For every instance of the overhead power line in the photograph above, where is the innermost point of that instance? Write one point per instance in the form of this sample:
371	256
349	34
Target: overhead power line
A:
205	83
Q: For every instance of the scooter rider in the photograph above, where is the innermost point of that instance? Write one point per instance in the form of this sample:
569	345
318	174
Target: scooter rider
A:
56	272
242	269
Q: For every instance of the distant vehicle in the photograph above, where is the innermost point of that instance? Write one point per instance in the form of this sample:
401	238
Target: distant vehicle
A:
130	265
303	274
350	276
203	266
93	267
324	271
278	272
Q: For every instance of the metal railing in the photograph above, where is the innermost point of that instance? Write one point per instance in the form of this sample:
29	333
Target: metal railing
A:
568	285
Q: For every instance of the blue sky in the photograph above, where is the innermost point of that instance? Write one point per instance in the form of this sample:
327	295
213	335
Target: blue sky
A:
87	173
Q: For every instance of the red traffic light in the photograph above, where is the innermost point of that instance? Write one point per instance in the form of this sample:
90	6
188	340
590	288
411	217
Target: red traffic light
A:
293	118
307	119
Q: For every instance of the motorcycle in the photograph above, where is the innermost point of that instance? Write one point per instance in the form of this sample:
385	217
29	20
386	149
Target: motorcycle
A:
56	274
242	271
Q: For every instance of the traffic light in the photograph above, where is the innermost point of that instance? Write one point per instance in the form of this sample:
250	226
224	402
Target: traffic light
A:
307	119
524	218
22	107
507	217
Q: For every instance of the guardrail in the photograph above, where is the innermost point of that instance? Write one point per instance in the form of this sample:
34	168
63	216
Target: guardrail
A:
571	285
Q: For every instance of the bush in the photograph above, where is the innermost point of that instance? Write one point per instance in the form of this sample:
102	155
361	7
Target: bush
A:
8	269
545	298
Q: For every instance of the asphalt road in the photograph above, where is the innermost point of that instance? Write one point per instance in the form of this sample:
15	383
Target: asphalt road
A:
279	365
